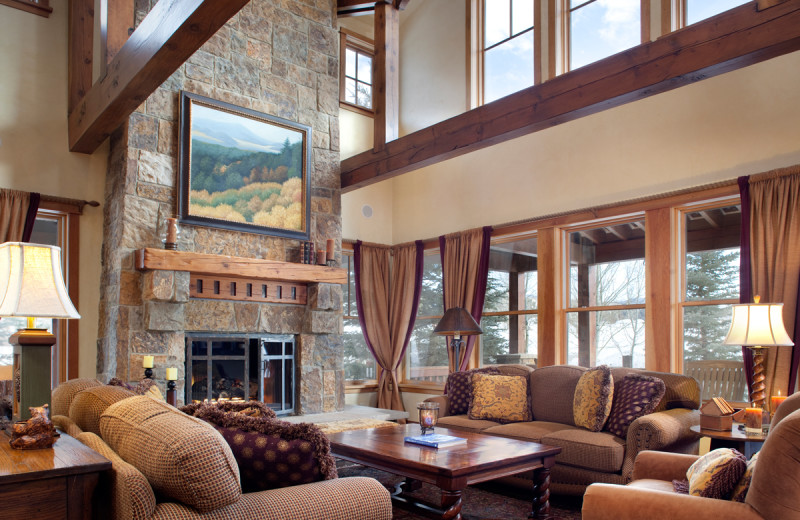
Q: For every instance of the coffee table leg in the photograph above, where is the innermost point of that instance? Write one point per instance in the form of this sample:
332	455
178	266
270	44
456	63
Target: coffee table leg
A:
541	493
451	505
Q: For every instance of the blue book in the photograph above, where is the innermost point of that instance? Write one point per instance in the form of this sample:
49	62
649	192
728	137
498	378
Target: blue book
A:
436	440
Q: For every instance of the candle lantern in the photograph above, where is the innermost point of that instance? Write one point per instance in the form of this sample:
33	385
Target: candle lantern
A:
428	415
170	233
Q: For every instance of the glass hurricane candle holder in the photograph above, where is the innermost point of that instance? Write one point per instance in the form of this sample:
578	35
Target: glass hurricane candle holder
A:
428	415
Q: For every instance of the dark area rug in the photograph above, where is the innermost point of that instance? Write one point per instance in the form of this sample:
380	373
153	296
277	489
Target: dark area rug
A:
488	501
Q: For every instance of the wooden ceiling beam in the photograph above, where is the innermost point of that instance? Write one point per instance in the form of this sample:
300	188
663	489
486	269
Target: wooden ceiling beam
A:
116	26
81	29
354	7
732	40
166	38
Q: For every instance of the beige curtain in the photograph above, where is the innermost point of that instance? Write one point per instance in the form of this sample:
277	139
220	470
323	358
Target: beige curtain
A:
461	260
389	295
13	213
775	255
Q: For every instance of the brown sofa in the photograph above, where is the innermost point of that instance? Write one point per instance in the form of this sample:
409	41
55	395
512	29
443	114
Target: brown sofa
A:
589	457
161	452
774	491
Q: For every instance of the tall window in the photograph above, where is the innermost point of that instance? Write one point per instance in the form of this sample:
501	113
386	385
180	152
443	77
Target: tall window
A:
508	46
426	355
359	365
697	10
356	73
599	28
510	316
710	287
606	312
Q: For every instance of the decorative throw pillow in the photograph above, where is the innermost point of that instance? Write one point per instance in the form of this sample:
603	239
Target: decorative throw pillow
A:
593	397
715	474
459	389
146	387
88	405
270	453
740	490
500	398
636	395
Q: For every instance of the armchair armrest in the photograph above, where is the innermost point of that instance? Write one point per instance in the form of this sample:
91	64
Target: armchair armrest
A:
613	502
444	404
661	465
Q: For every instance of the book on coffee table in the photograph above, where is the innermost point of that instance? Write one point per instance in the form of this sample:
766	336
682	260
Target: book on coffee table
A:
435	440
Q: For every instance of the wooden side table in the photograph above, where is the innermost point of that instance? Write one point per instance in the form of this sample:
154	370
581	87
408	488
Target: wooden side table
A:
748	444
49	484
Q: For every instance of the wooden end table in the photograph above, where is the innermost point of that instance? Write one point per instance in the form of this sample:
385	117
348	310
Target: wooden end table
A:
451	469
50	484
746	443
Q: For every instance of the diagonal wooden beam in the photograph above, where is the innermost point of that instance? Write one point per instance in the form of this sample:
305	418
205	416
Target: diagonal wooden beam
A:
732	40
167	37
81	29
354	7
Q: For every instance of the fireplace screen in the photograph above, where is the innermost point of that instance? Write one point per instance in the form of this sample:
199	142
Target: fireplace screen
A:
242	367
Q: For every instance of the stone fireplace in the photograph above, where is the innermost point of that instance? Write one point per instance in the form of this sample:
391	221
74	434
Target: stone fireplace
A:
280	58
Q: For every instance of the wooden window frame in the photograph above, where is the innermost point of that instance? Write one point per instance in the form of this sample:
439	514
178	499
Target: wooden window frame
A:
679	252
41	7
476	31
352	40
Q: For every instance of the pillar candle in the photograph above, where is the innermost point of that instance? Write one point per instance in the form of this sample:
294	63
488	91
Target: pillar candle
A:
147	362
172	374
776	400
320	257
752	419
329	249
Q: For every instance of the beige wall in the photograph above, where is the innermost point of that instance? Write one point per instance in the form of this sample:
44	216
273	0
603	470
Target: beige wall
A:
34	152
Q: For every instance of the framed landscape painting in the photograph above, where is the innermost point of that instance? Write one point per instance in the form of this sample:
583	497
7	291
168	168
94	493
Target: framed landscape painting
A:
243	170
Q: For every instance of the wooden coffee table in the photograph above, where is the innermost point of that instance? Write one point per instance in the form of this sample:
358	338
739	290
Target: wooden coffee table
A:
451	469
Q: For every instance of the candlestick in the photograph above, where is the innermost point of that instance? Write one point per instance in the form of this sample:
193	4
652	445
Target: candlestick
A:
172	397
172	374
775	401
752	420
329	250
147	362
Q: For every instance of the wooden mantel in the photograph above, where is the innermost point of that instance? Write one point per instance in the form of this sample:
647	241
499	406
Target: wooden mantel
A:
236	267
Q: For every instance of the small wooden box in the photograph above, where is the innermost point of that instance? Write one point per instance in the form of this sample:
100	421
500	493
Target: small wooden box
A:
716	422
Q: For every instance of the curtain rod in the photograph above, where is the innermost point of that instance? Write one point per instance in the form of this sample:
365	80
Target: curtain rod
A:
73	202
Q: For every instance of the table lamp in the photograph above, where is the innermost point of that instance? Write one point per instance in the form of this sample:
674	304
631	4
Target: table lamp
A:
758	326
32	286
457	322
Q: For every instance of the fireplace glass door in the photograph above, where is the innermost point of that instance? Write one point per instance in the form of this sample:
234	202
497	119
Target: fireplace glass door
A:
242	367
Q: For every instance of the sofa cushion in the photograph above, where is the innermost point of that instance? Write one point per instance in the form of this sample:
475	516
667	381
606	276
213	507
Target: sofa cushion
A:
88	405
552	392
715	474
63	394
593	397
636	395
532	431
499	398
459	389
599	451
463	422
270	453
183	458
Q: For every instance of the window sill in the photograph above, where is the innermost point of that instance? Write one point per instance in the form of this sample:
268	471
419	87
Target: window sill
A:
360	387
345	105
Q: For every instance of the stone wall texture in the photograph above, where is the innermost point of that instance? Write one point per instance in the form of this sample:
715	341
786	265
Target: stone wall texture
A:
279	57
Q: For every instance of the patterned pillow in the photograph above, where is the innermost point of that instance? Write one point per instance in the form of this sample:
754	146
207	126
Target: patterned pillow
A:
500	398
740	491
715	474
459	389
636	395
593	396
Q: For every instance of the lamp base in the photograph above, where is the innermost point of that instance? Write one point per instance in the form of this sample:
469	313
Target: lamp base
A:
757	393
31	370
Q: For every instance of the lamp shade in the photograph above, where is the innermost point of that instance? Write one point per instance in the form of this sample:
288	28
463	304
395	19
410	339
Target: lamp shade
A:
457	322
758	325
31	282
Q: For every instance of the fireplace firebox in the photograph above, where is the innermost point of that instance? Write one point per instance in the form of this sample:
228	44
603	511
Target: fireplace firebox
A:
245	367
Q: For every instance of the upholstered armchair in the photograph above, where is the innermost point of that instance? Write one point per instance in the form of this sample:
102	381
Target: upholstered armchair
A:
774	490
